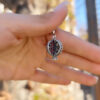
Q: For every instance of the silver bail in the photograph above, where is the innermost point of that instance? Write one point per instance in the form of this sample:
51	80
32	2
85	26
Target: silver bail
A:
54	35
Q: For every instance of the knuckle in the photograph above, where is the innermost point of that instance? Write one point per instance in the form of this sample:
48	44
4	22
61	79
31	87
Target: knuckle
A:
94	69
45	17
90	67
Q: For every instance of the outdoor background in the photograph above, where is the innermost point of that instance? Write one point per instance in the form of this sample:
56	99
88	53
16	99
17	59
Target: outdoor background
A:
78	23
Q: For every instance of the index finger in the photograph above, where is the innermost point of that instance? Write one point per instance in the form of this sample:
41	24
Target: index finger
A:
77	46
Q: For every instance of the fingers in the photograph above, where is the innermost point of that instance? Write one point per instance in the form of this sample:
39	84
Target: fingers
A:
78	62
44	77
70	74
76	46
36	25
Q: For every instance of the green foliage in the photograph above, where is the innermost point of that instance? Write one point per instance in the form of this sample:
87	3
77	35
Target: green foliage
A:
36	97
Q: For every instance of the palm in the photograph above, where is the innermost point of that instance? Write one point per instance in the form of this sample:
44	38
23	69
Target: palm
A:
21	60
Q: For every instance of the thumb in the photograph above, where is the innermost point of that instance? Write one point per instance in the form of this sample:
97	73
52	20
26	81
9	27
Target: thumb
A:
37	25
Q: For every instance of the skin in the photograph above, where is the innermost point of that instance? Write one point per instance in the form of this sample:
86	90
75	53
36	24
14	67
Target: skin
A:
23	54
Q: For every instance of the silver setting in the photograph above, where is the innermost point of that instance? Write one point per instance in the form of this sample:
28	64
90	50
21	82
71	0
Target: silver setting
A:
54	47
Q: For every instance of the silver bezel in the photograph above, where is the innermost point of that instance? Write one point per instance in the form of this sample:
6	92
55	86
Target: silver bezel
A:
60	49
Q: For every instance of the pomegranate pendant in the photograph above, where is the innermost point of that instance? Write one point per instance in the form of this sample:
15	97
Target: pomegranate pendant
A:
54	47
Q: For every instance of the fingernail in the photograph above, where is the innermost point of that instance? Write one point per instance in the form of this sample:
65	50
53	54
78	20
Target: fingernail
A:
64	4
97	78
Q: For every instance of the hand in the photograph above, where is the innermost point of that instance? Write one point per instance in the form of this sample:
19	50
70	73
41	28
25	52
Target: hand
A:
23	40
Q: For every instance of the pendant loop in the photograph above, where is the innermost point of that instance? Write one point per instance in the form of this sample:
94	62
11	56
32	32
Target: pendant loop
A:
54	35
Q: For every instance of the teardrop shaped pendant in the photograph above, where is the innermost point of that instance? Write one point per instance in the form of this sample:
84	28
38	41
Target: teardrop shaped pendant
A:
54	47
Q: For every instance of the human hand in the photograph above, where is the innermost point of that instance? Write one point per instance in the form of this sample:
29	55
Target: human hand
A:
23	42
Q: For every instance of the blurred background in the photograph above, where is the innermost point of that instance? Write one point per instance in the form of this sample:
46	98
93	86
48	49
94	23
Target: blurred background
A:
83	20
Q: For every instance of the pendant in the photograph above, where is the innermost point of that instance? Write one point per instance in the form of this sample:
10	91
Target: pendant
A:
54	47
